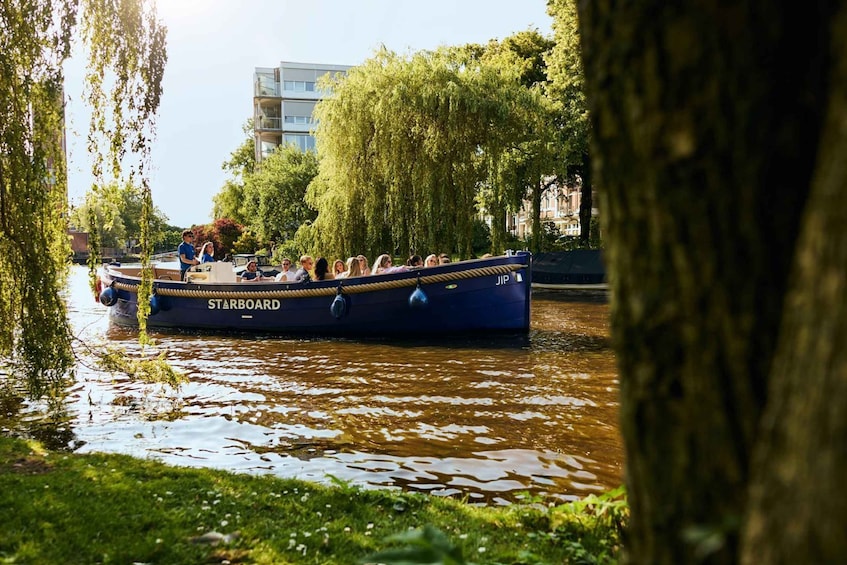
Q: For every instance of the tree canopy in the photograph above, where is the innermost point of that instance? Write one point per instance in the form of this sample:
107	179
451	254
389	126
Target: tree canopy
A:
118	212
404	145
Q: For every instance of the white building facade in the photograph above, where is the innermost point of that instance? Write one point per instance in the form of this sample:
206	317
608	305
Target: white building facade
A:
284	99
559	206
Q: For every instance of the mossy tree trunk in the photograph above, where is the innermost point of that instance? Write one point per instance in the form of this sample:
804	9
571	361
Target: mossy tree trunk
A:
708	125
797	508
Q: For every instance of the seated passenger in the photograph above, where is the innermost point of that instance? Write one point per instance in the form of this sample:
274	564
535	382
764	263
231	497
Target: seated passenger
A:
363	264
431	261
322	270
414	261
252	273
382	262
288	271
354	269
443	259
306	264
383	265
338	268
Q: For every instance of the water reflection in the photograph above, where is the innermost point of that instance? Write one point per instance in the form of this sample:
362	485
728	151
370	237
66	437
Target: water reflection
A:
484	418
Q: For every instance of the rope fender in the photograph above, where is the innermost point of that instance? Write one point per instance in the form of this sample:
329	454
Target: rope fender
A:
327	291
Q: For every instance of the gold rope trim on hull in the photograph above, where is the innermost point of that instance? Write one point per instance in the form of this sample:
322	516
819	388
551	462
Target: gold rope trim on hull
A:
327	291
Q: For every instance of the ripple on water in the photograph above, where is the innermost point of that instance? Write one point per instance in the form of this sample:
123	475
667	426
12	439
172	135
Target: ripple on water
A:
489	419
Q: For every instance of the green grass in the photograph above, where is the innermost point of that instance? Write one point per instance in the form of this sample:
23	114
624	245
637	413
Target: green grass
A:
67	508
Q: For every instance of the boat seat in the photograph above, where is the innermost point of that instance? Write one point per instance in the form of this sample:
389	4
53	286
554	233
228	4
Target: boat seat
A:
164	274
218	272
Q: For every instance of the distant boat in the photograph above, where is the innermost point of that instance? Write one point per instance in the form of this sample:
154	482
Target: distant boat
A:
468	297
578	270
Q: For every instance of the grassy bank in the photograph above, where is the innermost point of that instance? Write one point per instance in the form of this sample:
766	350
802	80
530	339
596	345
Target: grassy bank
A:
67	508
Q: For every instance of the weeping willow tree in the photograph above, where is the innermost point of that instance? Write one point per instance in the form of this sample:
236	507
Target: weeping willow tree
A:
126	63
403	142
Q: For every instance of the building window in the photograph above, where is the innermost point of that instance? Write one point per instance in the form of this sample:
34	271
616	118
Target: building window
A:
299	86
302	142
299	120
267	148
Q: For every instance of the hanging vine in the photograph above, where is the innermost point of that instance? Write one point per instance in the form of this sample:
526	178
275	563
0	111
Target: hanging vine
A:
132	63
126	66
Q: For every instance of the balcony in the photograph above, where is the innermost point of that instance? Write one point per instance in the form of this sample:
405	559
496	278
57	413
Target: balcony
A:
264	89
269	123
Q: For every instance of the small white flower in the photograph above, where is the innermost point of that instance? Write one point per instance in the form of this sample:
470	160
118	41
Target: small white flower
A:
347	529
291	543
224	523
370	525
481	550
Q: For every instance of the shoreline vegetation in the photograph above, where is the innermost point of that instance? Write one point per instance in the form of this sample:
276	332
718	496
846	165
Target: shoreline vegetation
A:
61	507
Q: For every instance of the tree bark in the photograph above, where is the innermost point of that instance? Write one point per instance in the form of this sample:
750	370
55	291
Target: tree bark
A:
706	123
797	510
586	201
537	190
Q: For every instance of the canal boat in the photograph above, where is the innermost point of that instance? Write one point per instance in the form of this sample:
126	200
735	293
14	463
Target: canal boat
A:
577	270
466	297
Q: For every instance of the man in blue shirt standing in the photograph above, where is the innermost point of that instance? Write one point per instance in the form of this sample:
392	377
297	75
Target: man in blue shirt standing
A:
186	253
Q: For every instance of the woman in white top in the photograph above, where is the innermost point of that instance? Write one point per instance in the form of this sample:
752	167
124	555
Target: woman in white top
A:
382	263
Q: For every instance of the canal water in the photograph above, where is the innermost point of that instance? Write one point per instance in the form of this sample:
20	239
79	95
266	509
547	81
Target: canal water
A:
489	419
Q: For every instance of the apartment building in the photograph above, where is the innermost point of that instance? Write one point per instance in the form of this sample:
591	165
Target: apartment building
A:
284	98
559	205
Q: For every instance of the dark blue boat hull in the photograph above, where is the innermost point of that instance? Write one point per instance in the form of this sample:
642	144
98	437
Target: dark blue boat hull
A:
458	304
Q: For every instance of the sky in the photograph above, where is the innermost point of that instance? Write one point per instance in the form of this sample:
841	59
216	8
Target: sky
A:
214	47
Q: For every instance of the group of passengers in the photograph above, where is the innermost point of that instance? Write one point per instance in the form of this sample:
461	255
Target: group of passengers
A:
319	270
309	268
